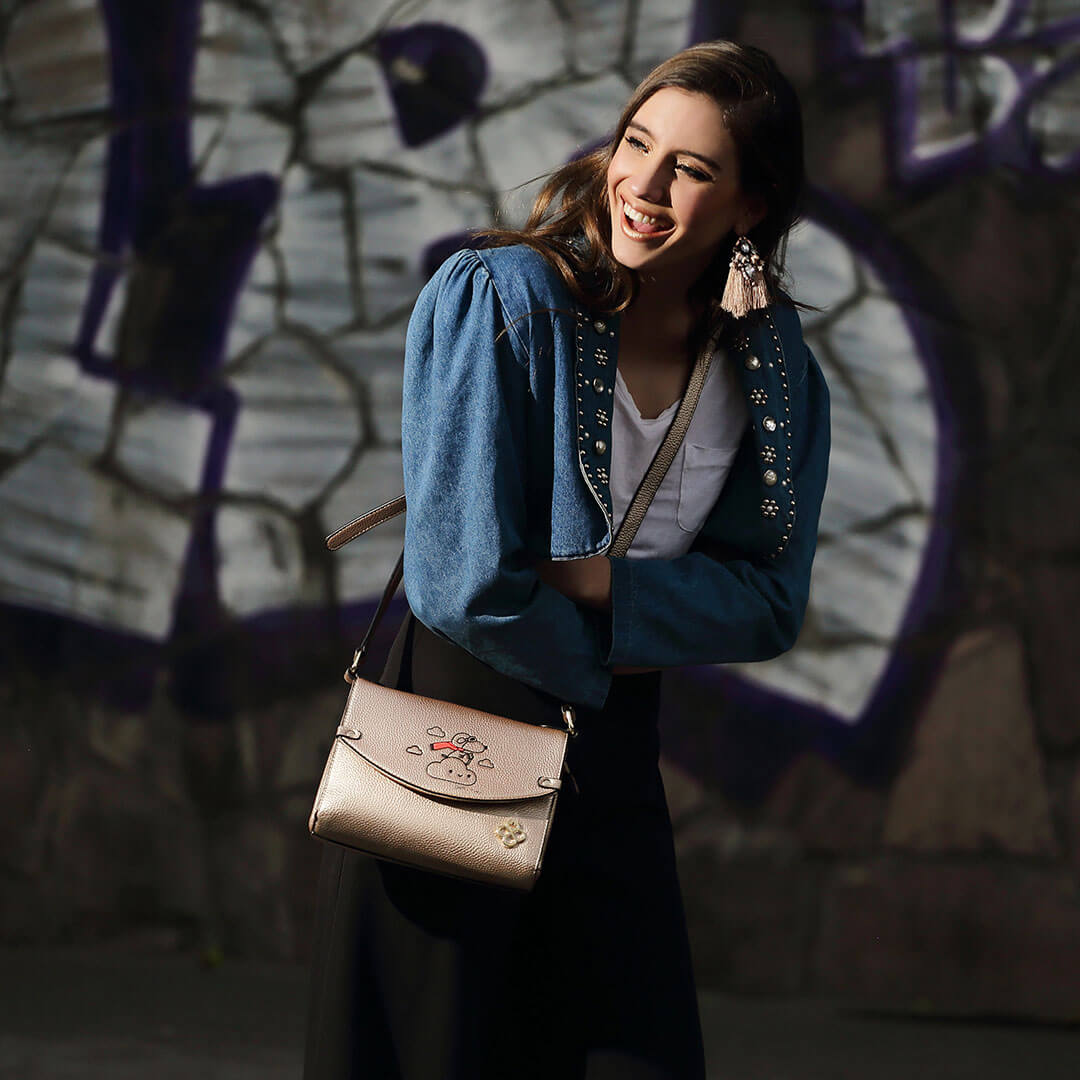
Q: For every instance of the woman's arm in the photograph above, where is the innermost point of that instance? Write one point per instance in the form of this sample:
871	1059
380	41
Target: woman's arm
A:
709	606
705	606
468	573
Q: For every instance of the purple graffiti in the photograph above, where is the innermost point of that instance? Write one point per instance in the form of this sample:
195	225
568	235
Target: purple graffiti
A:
189	247
964	92
435	74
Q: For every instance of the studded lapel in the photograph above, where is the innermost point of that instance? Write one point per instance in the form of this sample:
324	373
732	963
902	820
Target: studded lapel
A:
761	473
594	385
763	372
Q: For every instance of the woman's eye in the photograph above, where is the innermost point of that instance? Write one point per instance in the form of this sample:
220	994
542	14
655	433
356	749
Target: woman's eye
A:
693	172
636	143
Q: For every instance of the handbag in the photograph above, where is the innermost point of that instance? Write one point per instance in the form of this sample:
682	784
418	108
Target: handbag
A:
443	787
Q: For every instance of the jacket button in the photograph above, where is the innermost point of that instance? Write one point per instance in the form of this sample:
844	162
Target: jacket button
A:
598	385
769	424
769	476
599	326
600	446
752	362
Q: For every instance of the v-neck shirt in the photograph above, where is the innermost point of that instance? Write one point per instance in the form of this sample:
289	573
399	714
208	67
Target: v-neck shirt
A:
696	477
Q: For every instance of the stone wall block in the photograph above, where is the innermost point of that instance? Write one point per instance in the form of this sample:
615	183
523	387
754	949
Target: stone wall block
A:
305	745
1032	516
959	940
686	795
1053	606
1072	820
119	855
975	779
749	907
825	808
22	774
298	426
248	857
303	857
56	58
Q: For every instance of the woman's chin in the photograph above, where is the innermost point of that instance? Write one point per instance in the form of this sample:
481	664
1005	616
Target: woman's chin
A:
636	254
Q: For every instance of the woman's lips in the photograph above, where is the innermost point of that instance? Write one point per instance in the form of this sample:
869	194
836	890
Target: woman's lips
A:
640	226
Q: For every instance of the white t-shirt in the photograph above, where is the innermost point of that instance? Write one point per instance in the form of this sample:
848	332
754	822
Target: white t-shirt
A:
696	476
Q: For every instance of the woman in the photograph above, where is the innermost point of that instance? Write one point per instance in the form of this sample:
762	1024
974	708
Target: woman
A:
541	374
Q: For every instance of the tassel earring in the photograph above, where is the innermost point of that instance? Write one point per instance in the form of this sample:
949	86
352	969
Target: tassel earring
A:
745	290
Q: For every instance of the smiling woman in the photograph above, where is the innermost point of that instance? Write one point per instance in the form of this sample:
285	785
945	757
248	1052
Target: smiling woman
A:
603	457
673	188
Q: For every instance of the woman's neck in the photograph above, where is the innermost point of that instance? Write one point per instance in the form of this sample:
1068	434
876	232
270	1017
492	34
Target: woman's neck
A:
661	309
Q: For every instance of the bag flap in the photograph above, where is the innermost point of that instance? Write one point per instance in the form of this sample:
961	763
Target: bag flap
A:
449	750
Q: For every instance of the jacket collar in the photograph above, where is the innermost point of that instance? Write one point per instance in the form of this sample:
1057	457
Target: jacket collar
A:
763	463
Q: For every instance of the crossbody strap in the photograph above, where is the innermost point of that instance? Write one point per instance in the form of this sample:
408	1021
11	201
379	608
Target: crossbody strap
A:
359	526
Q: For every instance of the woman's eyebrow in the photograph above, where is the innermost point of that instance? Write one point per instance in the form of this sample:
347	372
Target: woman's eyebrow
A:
689	153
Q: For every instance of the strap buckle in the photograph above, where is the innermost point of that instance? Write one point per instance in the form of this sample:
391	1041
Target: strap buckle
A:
352	672
568	720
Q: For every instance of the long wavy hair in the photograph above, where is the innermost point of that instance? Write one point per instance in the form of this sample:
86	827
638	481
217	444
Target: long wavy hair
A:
570	223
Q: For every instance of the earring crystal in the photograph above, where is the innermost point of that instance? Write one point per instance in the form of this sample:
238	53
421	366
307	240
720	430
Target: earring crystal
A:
745	289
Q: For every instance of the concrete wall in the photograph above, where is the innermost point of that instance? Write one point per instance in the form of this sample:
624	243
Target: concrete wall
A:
213	221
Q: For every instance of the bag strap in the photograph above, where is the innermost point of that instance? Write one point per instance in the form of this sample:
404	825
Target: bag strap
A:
352	672
665	455
359	526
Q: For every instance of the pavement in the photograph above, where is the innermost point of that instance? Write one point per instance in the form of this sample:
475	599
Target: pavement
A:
108	1014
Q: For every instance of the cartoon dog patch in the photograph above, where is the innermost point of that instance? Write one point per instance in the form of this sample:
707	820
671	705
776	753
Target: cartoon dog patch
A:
456	758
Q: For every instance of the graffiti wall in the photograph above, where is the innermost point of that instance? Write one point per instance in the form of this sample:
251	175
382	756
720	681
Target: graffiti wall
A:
214	220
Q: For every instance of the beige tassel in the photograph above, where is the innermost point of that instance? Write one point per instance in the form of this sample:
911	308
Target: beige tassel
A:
745	289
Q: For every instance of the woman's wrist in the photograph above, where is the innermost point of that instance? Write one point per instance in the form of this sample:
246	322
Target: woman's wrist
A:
585	581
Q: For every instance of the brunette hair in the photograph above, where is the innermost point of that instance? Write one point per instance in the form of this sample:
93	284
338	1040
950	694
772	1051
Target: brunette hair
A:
570	224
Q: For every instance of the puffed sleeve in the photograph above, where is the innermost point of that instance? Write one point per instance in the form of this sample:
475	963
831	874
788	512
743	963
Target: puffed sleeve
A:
706	607
468	574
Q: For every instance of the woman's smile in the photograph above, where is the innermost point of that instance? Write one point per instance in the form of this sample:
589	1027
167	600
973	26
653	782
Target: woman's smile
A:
639	225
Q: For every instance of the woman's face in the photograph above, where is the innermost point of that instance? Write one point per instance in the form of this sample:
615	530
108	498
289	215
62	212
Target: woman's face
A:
673	186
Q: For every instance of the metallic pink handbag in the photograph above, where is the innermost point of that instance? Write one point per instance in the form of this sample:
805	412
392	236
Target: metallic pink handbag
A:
435	785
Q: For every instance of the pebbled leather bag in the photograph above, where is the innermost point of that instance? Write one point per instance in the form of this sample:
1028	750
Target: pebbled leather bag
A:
443	787
436	785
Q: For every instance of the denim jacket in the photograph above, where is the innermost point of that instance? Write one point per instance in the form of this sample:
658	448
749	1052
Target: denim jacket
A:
507	455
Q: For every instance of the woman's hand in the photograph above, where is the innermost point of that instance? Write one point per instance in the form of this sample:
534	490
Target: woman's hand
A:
585	581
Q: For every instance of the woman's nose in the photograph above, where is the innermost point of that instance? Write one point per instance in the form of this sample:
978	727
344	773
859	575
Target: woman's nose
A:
649	181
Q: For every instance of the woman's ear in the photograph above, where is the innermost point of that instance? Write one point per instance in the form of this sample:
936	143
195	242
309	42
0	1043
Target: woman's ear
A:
753	213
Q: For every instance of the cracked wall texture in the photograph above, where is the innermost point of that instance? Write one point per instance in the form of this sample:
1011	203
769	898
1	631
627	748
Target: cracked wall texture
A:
213	224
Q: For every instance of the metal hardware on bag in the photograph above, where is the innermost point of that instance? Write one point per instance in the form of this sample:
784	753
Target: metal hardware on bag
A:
352	672
510	833
568	719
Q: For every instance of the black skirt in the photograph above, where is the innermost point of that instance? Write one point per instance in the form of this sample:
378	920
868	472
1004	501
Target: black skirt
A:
416	976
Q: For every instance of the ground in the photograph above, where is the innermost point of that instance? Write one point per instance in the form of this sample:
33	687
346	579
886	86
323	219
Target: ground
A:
103	1014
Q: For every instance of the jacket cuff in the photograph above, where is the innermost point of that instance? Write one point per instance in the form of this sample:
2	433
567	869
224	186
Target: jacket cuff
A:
623	599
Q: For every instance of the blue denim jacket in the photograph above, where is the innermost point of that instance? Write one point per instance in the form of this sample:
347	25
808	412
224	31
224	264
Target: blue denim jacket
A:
507	454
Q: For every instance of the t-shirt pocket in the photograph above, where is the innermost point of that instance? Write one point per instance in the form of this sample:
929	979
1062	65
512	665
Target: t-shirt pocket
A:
704	471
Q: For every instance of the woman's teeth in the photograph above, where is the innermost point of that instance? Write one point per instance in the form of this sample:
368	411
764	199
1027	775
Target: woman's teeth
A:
639	225
635	215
